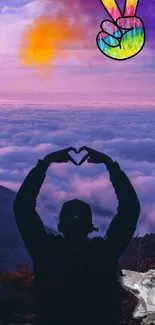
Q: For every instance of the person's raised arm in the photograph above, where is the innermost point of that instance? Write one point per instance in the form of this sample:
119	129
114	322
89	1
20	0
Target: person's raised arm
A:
27	219
123	225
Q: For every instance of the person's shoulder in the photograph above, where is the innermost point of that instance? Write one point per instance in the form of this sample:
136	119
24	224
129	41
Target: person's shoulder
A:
54	239
98	241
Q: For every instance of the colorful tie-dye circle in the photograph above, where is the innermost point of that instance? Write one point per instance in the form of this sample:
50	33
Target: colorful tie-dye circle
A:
124	42
124	37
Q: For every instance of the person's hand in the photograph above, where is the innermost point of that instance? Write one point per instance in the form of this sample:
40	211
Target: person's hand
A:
125	36
94	156
61	156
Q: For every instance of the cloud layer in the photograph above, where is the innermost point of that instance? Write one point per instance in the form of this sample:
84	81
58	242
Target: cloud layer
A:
128	137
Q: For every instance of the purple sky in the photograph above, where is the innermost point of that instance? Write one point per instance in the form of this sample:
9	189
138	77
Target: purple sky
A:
99	79
145	11
128	137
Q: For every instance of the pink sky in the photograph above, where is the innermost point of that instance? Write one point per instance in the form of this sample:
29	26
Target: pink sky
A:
102	79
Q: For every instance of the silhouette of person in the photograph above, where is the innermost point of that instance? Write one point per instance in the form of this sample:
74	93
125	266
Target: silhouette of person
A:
75	277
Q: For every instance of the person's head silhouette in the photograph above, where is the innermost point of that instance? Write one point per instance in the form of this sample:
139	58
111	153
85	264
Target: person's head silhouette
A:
75	220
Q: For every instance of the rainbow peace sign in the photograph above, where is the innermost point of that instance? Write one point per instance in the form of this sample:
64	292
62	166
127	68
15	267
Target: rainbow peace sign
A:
125	36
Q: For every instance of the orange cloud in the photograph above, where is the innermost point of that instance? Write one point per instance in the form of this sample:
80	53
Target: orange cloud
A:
47	38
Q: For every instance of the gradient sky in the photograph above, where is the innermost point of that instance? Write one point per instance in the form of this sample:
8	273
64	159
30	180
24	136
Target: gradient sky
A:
29	132
99	79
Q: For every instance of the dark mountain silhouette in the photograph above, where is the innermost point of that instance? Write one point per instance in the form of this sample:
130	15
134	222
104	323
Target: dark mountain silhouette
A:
12	249
140	254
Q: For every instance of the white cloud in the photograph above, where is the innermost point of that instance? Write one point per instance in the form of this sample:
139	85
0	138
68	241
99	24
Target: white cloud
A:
28	134
13	20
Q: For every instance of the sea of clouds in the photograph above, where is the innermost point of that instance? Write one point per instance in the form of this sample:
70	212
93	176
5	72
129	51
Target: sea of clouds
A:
128	137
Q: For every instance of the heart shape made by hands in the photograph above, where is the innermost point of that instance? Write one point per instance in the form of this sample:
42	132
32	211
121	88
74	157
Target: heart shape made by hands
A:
80	156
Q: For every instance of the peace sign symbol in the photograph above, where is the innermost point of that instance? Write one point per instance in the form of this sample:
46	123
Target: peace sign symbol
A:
124	37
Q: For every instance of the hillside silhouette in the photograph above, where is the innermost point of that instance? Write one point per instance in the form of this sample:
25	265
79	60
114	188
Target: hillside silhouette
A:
12	248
